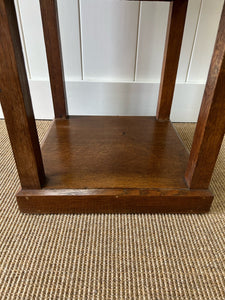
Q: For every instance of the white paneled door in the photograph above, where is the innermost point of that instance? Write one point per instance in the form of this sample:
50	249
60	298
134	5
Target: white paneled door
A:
112	54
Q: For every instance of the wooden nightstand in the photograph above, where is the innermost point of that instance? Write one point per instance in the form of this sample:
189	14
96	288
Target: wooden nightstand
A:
109	164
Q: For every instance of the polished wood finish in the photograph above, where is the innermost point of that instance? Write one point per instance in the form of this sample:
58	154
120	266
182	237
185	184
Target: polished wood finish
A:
114	201
175	29
16	101
113	152
109	164
114	165
211	123
50	23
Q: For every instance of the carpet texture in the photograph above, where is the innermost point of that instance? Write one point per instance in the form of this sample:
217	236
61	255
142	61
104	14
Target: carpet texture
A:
119	257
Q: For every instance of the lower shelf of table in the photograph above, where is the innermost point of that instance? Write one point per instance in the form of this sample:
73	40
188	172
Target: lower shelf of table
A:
113	165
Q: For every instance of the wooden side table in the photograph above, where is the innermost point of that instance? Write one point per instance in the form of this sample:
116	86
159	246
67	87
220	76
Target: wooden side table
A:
109	164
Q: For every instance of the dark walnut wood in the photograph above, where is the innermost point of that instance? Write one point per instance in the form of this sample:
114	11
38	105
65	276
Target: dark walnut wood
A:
114	164
50	23
174	37
109	164
16	101
114	201
211	123
113	152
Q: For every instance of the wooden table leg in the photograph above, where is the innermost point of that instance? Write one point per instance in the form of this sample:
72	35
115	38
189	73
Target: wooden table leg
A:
175	29
50	23
211	122
16	101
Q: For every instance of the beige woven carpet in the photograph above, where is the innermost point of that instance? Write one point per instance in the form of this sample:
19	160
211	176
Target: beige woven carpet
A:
110	256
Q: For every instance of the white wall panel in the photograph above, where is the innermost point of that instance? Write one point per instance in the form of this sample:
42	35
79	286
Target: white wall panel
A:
117	98
205	40
153	22
34	40
109	35
41	99
33	37
134	98
70	38
191	24
154	19
19	22
186	102
112	98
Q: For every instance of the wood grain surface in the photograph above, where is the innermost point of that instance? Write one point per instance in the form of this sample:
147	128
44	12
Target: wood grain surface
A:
211	122
50	23
113	152
174	37
16	101
114	201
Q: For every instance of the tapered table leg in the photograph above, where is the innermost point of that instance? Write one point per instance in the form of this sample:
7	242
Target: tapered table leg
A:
16	101
211	122
49	13
175	29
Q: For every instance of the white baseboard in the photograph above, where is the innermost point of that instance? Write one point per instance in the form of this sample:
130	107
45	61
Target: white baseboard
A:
117	98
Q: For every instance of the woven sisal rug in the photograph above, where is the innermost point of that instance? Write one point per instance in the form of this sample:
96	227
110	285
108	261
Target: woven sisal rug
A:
118	257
